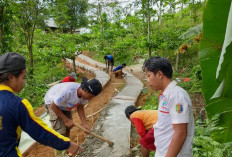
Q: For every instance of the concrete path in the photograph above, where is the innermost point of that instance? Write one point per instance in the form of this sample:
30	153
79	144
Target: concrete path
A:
113	124
85	58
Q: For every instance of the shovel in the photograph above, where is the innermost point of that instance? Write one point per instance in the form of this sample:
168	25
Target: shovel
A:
95	135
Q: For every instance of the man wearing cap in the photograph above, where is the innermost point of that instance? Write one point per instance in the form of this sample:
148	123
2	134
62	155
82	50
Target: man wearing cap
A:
16	114
71	78
63	97
143	120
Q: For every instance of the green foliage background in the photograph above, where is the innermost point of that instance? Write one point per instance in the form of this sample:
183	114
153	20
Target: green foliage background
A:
214	31
125	35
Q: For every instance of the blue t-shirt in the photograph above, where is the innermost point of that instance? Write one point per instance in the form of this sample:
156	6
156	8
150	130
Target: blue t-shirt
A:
109	57
117	68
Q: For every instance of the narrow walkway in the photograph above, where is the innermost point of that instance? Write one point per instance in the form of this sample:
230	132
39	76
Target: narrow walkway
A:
113	123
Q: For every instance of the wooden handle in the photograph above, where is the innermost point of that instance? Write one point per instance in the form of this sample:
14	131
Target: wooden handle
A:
96	135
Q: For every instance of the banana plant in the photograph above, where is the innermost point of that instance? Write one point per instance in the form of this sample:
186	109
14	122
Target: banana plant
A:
216	65
190	33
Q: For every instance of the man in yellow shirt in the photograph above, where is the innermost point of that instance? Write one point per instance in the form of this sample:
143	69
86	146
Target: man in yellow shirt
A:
143	120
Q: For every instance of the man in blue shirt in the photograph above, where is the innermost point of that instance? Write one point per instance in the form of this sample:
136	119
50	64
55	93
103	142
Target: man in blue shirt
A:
17	114
109	61
118	70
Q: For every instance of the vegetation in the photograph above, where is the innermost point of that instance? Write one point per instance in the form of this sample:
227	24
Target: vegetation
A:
167	28
216	50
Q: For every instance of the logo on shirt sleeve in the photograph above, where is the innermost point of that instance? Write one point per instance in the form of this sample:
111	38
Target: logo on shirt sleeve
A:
164	102
179	108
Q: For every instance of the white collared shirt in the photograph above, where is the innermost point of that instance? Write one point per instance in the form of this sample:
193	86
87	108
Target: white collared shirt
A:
175	107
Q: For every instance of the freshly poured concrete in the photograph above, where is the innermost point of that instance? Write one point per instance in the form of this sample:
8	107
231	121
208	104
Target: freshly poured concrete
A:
83	57
100	75
114	127
113	124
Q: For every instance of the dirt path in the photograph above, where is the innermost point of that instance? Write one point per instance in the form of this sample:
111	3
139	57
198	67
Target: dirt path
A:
94	105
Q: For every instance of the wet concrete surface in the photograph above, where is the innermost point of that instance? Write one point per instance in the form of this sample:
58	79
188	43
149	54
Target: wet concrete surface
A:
110	126
102	76
113	124
85	58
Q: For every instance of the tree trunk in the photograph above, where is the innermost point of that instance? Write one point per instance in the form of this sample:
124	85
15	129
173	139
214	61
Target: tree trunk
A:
177	61
64	63
100	16
182	14
31	72
160	13
74	65
144	19
30	48
52	72
148	28
1	28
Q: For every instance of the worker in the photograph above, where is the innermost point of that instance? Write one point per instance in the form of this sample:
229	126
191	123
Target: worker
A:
17	114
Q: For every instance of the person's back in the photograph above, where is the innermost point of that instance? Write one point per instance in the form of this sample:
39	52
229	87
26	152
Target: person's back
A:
71	78
117	68
64	95
59	89
147	117
68	79
143	121
110	57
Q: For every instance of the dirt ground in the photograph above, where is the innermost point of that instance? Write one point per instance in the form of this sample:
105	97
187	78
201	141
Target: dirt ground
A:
91	111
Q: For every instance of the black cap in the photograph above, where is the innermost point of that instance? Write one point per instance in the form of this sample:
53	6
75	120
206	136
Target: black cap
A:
92	86
10	62
129	110
124	64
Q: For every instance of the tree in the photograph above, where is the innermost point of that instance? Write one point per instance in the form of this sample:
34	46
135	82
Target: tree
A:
73	15
194	6
160	6
69	20
5	26
182	3
28	15
146	12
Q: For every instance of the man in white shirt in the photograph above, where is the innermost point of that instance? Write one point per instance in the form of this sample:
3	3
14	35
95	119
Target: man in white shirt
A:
63	97
174	129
